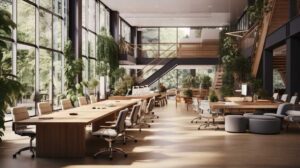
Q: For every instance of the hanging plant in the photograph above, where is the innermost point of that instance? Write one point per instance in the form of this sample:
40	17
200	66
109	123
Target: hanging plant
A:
11	89
73	68
108	55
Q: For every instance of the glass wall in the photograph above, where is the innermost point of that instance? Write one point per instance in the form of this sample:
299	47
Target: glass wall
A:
94	18
125	31
167	42
36	50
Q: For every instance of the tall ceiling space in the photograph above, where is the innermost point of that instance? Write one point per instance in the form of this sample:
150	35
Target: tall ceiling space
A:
144	13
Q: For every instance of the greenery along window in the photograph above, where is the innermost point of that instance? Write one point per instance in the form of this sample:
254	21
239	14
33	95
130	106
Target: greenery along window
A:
94	17
6	5
26	75
26	22
45	29
38	60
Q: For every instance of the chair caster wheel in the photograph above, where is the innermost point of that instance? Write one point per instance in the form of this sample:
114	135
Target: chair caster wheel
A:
149	126
152	121
157	117
14	156
124	143
191	121
196	122
95	157
198	128
125	155
110	158
135	141
32	156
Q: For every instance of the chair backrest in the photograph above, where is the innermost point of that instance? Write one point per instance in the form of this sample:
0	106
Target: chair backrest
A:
275	96
204	106
294	99
44	108
82	101
93	99
120	124
284	97
134	114
18	114
66	104
150	105
283	108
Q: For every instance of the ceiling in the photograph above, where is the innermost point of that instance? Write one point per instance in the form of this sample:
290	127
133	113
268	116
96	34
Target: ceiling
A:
178	12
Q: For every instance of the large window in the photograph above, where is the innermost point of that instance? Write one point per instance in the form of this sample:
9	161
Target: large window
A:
125	31
37	49
94	17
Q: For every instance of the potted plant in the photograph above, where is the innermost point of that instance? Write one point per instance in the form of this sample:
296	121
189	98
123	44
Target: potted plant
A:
11	89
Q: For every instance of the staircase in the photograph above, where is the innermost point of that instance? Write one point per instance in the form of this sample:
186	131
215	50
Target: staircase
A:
272	20
172	63
161	72
218	81
279	63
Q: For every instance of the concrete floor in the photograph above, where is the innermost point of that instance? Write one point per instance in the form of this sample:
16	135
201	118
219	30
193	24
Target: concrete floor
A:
173	141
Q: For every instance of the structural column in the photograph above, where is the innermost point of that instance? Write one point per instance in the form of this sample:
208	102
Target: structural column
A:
292	66
115	25
75	27
293	8
268	71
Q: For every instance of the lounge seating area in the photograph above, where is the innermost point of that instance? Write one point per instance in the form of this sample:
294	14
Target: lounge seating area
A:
143	84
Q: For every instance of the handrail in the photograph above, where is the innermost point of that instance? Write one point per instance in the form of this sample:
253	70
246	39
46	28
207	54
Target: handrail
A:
156	58
158	63
267	19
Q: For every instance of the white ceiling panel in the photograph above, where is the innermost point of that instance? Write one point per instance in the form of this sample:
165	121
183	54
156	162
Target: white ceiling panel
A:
178	12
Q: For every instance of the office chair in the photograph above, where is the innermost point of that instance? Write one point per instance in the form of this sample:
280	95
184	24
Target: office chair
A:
44	108
21	113
208	115
66	104
110	133
144	117
284	98
195	107
132	121
82	101
150	108
294	99
93	99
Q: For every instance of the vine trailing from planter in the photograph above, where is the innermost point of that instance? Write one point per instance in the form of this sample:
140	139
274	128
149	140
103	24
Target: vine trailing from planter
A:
108	56
73	68
11	90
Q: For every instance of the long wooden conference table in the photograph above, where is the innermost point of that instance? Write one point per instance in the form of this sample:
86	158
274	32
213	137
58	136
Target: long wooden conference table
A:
244	106
146	96
62	134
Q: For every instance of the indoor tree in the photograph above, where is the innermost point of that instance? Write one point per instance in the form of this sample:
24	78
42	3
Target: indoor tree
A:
11	89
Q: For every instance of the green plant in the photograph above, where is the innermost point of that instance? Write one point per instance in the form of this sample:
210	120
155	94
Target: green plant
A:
11	89
188	93
213	97
123	84
123	46
227	88
242	69
255	11
108	55
73	68
191	81
205	81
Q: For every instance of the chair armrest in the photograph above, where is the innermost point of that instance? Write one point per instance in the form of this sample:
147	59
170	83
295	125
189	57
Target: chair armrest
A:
107	126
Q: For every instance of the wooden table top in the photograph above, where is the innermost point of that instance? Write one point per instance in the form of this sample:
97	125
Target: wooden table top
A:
144	96
244	105
86	114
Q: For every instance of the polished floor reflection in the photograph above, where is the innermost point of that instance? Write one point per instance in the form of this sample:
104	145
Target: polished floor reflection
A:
173	141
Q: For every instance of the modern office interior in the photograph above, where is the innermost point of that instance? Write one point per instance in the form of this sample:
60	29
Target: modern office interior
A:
140	83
